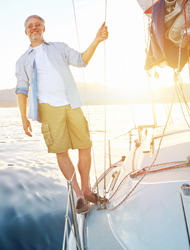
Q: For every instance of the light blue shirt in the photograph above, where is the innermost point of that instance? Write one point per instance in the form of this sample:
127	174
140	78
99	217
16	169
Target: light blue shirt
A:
61	56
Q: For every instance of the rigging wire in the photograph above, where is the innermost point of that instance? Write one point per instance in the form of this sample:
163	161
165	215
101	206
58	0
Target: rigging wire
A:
184	99
93	153
181	88
186	37
178	80
165	105
153	107
182	109
183	95
128	92
105	113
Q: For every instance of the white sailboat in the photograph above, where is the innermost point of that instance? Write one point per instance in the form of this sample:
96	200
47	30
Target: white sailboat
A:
148	192
146	210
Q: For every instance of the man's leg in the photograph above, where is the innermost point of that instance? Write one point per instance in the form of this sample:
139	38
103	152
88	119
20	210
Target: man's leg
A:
68	169
84	170
84	164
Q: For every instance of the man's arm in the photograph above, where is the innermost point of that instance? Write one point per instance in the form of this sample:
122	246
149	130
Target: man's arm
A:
22	102
22	94
100	36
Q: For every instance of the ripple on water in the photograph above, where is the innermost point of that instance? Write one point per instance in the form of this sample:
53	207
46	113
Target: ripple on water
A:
32	210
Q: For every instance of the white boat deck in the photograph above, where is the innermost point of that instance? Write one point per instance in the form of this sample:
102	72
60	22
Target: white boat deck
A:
98	232
151	218
156	215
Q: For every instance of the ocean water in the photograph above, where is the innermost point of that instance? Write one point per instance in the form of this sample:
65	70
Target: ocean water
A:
33	192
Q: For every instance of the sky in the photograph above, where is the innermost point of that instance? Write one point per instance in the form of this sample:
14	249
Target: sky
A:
117	63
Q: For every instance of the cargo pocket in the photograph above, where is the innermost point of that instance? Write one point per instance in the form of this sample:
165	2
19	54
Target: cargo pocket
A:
87	127
47	134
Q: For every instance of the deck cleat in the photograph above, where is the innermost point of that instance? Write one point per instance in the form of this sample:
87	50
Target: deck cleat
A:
186	189
101	206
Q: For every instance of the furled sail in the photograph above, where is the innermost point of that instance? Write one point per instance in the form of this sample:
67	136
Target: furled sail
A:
147	6
166	39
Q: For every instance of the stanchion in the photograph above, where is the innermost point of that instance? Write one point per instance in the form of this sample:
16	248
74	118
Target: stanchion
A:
74	215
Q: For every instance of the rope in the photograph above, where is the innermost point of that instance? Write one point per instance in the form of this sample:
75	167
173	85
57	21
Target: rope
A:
186	29
145	35
133	173
182	108
186	37
180	84
158	170
177	79
73	175
183	95
106	4
133	160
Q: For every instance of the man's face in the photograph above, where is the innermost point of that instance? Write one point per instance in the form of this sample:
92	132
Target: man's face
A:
34	29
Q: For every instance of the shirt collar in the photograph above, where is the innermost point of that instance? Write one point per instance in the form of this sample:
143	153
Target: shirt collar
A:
30	49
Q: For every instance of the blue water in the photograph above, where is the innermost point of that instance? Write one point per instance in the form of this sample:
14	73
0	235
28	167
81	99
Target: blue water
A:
32	210
33	192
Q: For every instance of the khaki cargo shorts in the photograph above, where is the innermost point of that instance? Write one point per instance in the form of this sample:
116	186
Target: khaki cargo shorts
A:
63	128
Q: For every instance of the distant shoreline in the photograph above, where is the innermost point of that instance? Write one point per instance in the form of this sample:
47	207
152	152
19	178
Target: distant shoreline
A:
92	104
1	106
114	96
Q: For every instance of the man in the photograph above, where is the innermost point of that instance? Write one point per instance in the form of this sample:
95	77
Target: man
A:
55	101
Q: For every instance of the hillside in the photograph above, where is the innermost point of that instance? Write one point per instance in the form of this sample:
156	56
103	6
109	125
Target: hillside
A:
94	94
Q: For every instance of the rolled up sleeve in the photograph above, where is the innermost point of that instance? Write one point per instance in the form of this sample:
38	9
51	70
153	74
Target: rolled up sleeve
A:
83	64
73	57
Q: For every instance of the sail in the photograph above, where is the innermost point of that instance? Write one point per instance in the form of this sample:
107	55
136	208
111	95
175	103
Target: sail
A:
167	21
147	6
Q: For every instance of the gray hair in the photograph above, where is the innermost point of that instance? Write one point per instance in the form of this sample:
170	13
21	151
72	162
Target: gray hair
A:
35	16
